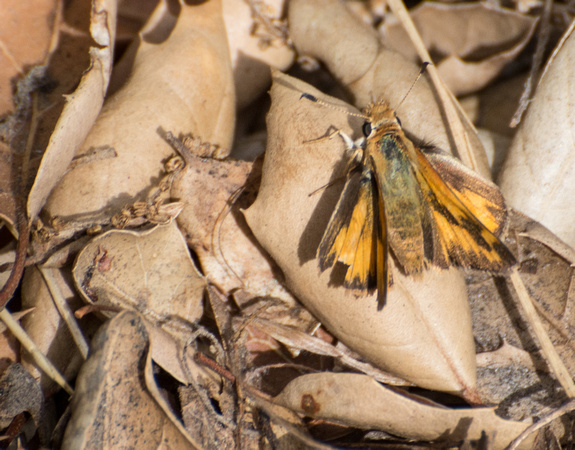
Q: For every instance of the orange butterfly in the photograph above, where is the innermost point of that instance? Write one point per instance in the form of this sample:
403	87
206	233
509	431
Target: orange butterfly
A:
417	203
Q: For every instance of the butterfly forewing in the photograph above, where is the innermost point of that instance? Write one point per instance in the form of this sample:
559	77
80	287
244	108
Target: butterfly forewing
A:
481	197
463	239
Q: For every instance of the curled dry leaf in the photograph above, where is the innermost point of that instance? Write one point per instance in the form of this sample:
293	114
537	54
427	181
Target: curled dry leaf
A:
423	334
82	106
359	401
537	175
216	231
167	91
258	41
113	376
472	42
358	59
150	272
25	34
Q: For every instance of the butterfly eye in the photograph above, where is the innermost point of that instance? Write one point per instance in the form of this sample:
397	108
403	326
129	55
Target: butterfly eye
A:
366	129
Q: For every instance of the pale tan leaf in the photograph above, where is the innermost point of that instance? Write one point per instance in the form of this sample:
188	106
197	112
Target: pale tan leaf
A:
81	109
113	376
537	175
257	42
473	41
167	91
325	29
359	401
150	272
25	39
423	333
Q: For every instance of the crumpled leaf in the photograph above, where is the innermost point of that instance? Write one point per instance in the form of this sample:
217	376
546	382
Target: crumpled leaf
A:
536	177
472	42
216	231
167	91
150	272
326	30
423	333
115	404
25	31
359	401
82	106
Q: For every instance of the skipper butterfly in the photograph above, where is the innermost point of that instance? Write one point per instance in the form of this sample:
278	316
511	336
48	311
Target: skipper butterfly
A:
416	203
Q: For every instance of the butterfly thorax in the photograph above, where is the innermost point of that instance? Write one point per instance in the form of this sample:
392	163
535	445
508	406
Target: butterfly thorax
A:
388	155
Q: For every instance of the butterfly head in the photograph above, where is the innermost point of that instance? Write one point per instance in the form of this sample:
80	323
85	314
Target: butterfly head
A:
380	118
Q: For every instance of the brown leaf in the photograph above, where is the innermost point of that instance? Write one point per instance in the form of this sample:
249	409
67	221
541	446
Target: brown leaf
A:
150	272
537	175
359	401
257	42
25	38
423	334
215	229
472	42
20	392
167	91
81	109
113	376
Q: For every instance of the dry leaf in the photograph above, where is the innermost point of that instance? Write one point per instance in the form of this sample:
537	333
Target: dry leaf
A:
150	272
537	175
216	231
167	91
258	41
471	42
325	29
112	376
423	334
7	183
359	401
81	109
25	38
20	392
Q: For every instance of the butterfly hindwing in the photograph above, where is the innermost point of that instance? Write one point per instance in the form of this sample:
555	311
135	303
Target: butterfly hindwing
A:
355	235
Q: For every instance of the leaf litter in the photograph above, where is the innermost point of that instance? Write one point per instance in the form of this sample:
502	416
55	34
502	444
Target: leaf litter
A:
202	267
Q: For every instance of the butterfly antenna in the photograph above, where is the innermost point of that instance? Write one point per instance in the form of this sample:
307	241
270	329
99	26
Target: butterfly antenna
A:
329	105
421	72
